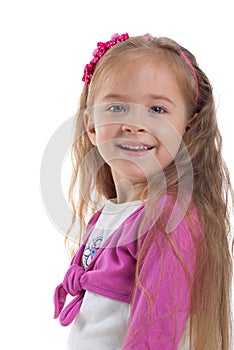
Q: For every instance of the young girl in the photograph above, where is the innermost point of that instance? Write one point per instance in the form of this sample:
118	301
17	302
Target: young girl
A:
154	268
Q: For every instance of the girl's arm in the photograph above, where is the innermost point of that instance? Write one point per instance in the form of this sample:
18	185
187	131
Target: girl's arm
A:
159	323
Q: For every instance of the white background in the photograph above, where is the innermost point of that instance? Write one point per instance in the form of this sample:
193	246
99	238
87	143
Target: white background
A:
44	46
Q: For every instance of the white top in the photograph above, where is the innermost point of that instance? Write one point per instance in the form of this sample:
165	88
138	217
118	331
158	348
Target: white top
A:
102	322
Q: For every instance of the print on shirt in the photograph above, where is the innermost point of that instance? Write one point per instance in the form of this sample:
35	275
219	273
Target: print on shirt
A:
91	250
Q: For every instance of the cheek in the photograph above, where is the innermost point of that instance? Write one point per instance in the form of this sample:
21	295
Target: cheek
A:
105	133
169	136
164	157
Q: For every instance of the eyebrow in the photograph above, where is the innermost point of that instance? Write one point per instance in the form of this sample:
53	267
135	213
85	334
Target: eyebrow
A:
161	97
114	96
120	97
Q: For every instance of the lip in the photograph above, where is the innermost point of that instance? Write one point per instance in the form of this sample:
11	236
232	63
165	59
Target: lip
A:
135	148
135	144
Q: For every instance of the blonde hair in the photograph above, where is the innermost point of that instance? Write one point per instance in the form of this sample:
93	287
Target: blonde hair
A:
210	315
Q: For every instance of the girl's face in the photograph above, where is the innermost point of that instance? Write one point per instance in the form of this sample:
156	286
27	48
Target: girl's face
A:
138	121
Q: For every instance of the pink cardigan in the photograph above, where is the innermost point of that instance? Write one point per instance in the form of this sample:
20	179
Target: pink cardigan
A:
111	273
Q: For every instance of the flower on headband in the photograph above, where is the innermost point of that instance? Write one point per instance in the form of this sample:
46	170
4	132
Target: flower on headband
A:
99	52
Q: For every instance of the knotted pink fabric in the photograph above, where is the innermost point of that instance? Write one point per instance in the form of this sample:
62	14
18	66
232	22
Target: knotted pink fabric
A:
72	284
106	274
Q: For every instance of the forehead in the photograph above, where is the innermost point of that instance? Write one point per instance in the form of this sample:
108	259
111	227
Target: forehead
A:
139	79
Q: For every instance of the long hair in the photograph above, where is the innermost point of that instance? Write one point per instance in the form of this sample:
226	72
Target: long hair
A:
92	182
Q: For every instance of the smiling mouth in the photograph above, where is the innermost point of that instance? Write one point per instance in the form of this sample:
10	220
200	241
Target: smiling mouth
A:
135	148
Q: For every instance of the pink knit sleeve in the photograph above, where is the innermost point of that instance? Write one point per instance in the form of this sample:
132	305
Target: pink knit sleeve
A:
159	325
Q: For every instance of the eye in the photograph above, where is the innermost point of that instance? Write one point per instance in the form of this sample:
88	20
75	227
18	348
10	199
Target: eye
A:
157	109
116	108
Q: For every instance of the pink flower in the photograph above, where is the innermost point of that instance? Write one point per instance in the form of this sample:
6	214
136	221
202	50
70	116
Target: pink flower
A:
99	52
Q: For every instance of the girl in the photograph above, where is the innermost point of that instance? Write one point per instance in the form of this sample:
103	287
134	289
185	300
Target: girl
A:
154	268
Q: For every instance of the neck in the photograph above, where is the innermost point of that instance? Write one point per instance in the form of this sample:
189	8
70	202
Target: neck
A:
127	192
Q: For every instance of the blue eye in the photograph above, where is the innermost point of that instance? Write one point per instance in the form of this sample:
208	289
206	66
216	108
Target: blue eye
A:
157	109
117	108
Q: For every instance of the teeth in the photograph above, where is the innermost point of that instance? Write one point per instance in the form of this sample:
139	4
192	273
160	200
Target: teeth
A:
136	148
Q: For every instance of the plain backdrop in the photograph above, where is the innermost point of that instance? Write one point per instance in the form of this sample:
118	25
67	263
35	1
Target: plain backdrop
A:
44	46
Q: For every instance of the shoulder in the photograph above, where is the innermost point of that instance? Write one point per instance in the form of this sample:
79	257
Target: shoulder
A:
176	228
175	213
90	226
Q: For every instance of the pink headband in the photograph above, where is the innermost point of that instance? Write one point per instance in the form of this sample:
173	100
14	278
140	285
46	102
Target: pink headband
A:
185	57
115	39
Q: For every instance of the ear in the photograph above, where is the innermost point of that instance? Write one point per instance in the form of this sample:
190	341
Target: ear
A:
89	125
190	121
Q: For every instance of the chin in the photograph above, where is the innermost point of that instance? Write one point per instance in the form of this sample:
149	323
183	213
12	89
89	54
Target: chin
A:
133	172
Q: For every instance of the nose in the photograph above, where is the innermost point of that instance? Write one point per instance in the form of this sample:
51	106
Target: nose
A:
133	129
